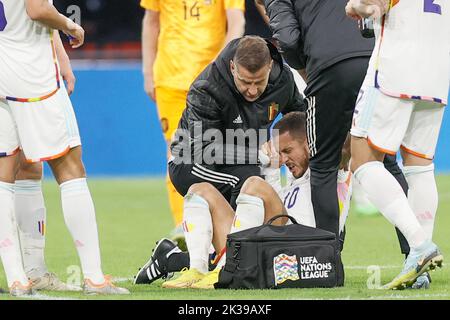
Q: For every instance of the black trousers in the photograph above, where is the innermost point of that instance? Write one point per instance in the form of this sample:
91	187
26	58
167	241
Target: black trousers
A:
227	179
331	99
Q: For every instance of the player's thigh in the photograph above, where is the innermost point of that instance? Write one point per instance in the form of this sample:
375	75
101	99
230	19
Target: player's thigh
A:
47	129
170	104
422	134
239	173
9	138
381	119
29	170
207	191
9	144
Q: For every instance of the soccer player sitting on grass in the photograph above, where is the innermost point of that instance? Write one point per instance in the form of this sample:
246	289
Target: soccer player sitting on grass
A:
208	217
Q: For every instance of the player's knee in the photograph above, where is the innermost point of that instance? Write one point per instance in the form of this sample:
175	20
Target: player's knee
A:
254	186
29	171
203	189
410	159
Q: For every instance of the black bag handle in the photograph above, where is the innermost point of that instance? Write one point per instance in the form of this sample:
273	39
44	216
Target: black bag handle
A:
281	216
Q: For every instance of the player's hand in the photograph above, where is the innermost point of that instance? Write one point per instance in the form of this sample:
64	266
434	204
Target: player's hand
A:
358	9
350	11
272	158
75	33
69	77
149	87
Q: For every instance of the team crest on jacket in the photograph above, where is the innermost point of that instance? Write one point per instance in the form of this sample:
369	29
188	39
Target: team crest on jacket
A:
285	267
273	110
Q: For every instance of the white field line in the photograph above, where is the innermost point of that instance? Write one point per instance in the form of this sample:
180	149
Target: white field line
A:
384	297
40	296
123	279
400	296
365	267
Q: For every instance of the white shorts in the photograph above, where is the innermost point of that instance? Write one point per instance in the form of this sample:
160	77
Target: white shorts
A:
390	123
44	130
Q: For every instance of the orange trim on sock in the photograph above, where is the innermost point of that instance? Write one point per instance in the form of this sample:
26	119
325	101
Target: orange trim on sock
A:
373	146
414	153
220	255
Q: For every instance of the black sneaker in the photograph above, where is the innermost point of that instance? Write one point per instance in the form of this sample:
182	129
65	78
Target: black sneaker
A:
156	267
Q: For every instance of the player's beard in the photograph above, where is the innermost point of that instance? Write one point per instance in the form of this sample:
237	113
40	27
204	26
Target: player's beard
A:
303	164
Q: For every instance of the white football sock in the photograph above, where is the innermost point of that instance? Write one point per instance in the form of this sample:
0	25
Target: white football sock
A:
249	213
198	231
221	261
423	195
9	239
31	220
79	215
387	195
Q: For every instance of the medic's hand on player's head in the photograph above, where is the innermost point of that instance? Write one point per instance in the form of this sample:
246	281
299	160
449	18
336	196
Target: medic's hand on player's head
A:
358	9
268	156
75	33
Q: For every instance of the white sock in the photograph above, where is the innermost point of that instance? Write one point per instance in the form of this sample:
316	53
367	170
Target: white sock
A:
221	261
31	220
198	231
249	213
423	195
9	239
387	195
79	215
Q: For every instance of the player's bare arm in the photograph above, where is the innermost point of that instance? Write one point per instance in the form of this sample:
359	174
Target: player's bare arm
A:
235	24
358	9
259	4
64	63
45	13
150	33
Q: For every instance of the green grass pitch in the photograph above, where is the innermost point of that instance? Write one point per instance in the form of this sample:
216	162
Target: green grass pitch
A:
132	214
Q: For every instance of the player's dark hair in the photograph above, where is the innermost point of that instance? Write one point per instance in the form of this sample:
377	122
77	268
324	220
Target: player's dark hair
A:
252	53
294	123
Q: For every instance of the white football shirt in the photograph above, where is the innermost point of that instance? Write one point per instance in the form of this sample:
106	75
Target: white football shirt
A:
297	200
296	195
28	66
412	50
